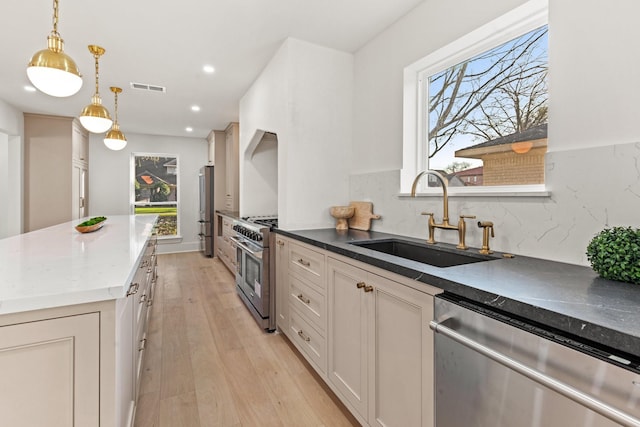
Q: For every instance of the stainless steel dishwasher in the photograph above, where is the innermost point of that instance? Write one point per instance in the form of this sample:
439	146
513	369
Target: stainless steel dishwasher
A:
493	370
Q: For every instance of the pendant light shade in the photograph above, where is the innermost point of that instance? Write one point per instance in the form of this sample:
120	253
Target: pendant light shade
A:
114	139
51	70
95	117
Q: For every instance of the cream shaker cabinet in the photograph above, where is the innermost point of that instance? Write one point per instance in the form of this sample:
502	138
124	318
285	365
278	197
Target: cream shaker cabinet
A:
225	246
306	298
232	163
282	283
50	372
365	330
380	349
56	170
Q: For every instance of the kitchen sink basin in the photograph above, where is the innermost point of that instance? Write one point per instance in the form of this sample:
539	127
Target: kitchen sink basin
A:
422	252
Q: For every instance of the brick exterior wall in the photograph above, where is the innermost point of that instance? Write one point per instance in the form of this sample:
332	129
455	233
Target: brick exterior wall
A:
510	168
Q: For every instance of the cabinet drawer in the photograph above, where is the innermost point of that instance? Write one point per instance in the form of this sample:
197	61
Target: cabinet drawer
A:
312	345
307	264
227	226
309	302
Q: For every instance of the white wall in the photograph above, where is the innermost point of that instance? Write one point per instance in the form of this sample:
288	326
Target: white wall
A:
110	180
304	95
592	166
11	170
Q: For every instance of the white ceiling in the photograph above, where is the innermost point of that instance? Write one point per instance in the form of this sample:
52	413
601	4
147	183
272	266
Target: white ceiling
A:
167	43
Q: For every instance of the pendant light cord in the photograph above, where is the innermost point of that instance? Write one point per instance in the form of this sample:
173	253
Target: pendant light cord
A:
96	56
116	107
55	18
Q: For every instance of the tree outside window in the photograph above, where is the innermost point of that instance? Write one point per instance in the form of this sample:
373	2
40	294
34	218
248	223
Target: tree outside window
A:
487	116
155	190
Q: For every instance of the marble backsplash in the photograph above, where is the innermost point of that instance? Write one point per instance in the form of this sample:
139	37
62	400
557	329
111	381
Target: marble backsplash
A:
590	189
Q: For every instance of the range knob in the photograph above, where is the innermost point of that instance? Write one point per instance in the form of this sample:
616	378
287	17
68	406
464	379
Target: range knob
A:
258	237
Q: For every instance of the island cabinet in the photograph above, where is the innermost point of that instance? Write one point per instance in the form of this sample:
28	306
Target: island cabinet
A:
80	364
363	329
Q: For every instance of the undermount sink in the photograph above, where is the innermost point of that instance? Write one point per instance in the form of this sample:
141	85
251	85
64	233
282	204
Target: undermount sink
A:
422	252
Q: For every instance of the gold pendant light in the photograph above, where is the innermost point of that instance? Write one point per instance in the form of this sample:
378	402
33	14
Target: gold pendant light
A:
95	117
51	70
114	139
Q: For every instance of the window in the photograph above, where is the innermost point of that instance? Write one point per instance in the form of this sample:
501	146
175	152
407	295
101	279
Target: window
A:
476	110
155	189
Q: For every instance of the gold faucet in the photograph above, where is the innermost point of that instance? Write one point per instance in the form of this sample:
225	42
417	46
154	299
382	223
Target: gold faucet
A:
461	227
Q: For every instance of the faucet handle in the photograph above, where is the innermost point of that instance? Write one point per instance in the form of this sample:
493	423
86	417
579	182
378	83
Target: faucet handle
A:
467	216
426	213
486	227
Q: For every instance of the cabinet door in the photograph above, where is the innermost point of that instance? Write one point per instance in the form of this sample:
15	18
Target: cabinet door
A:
125	371
282	283
401	355
348	335
50	372
79	186
232	166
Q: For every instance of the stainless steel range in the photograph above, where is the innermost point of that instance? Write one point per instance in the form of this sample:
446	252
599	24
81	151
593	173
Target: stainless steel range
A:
255	269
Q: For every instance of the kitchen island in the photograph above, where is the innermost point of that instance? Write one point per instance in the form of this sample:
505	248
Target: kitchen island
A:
73	311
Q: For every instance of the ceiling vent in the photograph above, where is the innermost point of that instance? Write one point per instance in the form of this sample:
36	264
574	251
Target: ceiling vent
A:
150	88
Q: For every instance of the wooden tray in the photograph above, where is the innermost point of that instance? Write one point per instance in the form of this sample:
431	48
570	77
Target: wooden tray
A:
361	219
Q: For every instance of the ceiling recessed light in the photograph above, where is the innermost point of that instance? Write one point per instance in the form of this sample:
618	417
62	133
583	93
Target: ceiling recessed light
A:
208	69
29	88
195	108
188	129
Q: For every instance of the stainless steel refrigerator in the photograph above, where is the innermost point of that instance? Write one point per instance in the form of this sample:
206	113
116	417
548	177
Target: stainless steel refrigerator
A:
207	213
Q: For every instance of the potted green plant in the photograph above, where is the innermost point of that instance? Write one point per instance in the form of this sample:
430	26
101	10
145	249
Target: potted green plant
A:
614	254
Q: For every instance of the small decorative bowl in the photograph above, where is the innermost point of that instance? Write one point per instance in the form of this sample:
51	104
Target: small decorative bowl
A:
90	228
342	214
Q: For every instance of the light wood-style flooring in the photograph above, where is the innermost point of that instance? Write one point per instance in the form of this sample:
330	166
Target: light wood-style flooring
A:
209	364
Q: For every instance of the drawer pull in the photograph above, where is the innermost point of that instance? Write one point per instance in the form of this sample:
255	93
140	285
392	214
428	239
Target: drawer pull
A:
368	288
133	289
303	336
360	285
149	302
143	343
303	299
305	263
143	298
280	243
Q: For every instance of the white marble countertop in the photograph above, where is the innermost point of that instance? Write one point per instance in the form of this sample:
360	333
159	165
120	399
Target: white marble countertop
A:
58	266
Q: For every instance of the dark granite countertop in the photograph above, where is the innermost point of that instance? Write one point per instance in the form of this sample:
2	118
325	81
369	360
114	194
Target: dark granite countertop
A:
566	297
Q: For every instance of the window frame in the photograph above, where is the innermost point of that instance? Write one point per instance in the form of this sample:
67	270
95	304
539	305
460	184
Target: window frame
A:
531	15
132	191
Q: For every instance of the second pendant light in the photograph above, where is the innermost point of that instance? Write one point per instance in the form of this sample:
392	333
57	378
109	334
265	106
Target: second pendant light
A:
95	117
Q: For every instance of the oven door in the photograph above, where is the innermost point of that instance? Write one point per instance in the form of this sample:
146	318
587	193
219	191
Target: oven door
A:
250	275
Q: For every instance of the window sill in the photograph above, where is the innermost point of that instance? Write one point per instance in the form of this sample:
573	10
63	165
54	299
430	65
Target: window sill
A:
529	191
165	240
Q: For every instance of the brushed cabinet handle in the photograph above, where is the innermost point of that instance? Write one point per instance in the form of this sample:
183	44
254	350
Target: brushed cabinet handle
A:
143	298
280	243
133	289
360	285
143	343
303	299
303	336
368	288
305	263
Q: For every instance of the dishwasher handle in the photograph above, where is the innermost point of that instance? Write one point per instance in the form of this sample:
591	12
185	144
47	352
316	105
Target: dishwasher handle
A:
545	380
